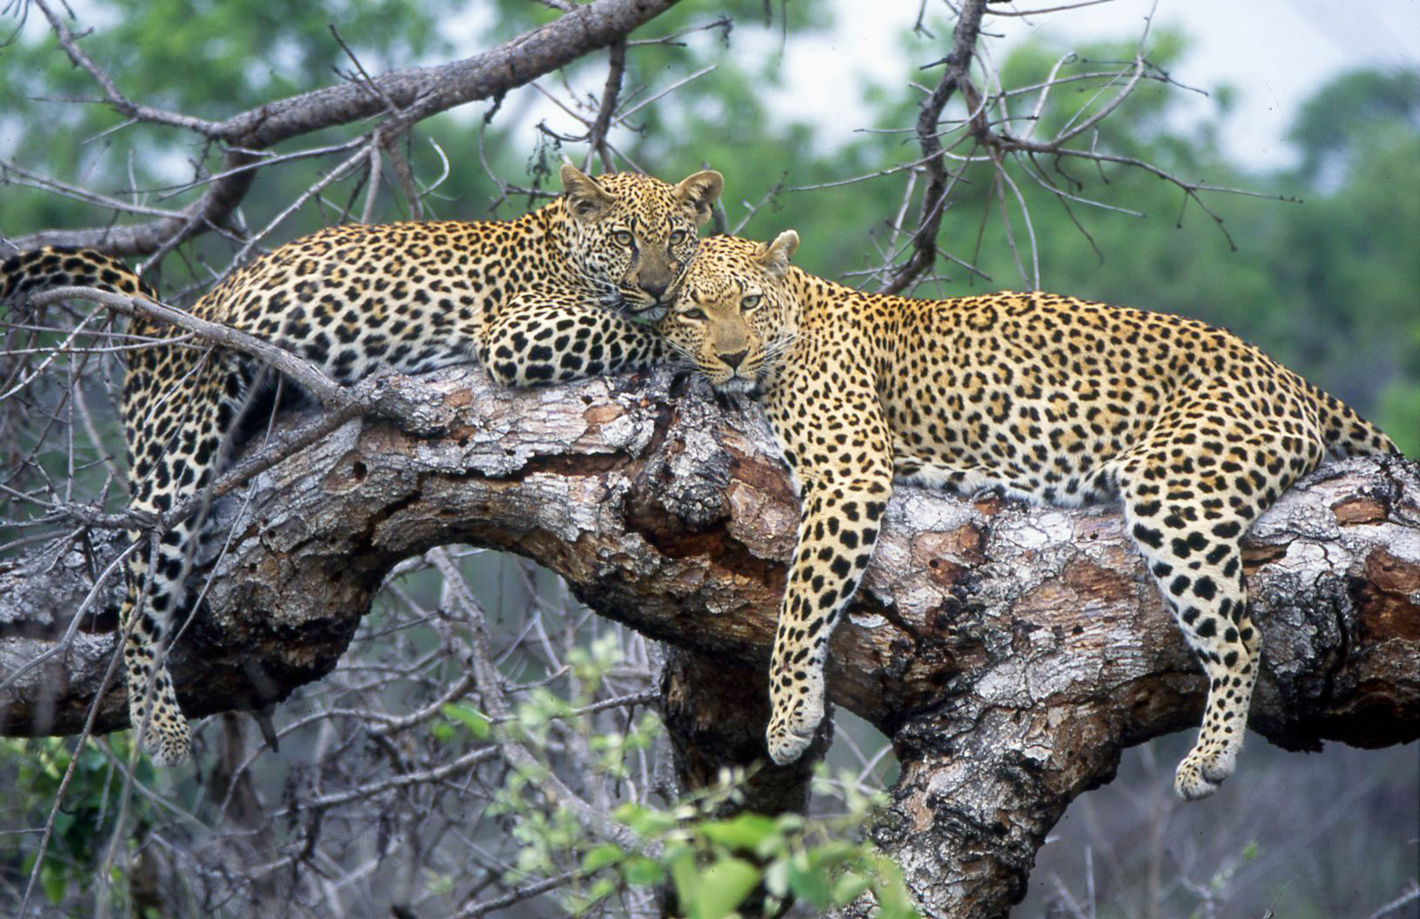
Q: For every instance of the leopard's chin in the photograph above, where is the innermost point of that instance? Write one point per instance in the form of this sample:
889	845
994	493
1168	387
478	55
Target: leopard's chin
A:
737	386
638	307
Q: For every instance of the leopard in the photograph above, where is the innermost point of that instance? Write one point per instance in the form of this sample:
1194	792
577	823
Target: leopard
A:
1036	396
353	299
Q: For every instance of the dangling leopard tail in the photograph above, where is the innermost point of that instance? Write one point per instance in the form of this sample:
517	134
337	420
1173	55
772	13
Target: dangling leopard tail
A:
151	697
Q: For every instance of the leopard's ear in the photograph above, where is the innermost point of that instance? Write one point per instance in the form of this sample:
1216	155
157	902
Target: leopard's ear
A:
586	199
774	257
700	193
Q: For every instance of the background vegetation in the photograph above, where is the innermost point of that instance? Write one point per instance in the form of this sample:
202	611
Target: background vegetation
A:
1320	267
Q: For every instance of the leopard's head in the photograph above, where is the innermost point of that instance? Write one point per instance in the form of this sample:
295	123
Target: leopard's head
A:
735	315
631	235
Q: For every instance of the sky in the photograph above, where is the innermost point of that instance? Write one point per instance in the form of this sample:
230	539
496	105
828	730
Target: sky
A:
1275	53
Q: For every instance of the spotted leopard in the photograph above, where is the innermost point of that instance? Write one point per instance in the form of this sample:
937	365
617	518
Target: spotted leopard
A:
354	299
1044	397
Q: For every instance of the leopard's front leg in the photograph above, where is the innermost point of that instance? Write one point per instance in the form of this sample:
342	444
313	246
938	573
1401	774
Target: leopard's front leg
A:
557	337
845	483
838	530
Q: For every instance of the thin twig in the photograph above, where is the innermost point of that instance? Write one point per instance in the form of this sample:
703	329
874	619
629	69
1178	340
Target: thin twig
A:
596	139
958	63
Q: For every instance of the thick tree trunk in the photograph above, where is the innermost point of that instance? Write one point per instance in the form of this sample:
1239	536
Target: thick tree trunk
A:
1011	652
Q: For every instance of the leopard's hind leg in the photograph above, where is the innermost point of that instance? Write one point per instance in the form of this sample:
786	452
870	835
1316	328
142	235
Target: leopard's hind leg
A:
1198	568
1188	497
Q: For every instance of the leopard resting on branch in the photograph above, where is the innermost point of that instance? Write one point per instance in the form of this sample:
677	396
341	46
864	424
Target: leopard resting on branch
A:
352	300
1043	397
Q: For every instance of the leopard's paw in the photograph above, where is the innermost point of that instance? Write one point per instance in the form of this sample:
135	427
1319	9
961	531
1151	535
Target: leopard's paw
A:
1203	770
798	711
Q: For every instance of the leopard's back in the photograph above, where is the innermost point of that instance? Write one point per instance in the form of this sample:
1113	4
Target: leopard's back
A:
1046	396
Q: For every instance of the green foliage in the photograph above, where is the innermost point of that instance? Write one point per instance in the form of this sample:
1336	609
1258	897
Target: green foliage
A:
1349	264
1338	122
476	722
714	863
33	770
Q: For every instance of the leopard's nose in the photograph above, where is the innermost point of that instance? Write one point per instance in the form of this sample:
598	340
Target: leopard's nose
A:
656	289
733	360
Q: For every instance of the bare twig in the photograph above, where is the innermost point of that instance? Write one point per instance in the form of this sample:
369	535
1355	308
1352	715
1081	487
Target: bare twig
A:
1394	906
958	64
596	139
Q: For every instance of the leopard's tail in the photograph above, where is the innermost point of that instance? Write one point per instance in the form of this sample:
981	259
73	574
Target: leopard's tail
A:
1345	432
57	266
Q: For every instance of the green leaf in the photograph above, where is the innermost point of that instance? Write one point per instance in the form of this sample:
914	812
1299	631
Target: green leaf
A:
894	902
476	722
849	886
644	872
723	885
53	881
645	821
808	882
601	856
831	854
687	882
746	831
601	889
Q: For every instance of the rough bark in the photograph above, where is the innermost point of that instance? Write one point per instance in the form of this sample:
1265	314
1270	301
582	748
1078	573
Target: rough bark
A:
1011	652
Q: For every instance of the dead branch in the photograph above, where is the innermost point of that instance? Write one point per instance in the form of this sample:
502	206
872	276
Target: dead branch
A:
954	77
416	93
596	139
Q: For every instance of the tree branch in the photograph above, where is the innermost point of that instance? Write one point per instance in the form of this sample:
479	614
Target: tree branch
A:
954	77
1011	652
417	93
596	138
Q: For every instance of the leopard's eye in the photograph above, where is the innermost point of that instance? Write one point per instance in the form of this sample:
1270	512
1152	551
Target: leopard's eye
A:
677	237
622	237
694	314
751	302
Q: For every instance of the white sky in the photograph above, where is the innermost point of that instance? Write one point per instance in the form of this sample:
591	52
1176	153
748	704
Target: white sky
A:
1276	53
